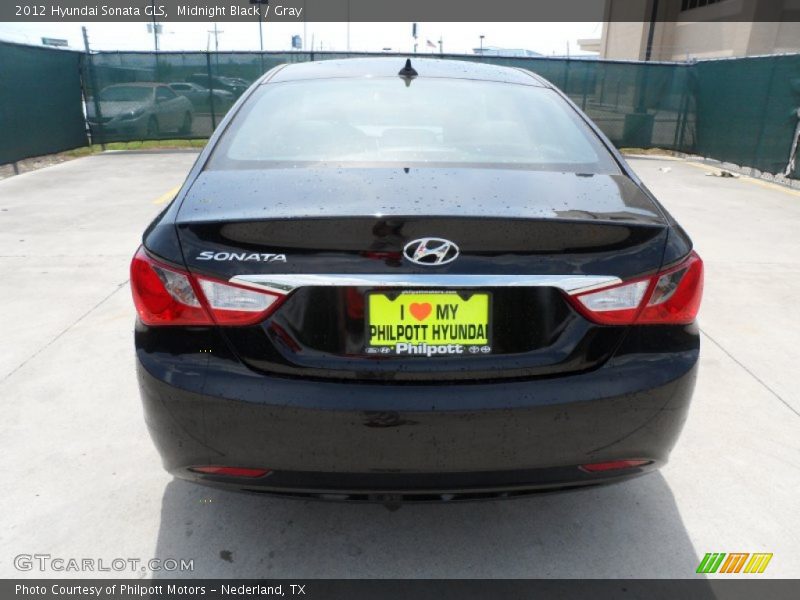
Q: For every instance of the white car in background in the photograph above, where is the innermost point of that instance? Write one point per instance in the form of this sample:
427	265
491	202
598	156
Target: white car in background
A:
201	97
139	111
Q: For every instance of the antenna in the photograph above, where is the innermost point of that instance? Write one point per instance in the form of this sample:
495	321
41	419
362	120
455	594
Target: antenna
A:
408	72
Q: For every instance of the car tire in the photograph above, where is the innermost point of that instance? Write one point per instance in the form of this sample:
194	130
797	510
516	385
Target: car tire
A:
153	130
186	127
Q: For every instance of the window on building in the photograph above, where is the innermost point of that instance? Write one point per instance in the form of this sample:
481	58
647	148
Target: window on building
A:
690	4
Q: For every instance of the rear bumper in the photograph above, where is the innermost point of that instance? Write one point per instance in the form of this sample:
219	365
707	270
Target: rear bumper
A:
117	127
322	437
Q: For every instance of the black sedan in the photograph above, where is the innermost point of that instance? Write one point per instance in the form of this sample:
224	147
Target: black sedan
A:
413	280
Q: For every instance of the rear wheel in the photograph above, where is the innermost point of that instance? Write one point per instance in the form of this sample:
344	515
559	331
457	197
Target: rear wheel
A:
186	127
153	129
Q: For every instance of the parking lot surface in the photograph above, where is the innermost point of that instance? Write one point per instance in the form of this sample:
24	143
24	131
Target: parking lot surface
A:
81	478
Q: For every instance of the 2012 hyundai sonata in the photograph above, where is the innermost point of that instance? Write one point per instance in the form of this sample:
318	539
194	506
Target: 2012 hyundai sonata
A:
415	280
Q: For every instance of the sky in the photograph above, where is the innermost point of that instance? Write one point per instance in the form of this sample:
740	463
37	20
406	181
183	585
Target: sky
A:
545	38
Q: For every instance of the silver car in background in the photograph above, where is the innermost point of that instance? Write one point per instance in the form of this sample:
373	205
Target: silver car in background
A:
139	109
202	98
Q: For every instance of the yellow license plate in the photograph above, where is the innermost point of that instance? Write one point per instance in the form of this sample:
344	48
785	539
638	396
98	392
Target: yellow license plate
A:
428	323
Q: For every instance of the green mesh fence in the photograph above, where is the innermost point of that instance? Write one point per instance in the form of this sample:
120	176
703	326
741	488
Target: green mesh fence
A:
748	110
639	105
742	111
40	102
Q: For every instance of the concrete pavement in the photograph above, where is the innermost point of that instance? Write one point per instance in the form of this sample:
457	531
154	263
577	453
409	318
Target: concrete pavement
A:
81	478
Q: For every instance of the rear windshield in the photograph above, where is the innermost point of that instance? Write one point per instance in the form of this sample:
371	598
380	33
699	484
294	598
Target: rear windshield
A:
428	121
126	93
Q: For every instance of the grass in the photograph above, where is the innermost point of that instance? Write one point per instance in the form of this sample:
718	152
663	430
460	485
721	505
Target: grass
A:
148	145
199	143
654	151
39	162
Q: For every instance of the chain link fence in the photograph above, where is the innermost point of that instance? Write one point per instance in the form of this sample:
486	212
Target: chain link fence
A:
742	111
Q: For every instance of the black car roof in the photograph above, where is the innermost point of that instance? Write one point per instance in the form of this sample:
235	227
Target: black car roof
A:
391	65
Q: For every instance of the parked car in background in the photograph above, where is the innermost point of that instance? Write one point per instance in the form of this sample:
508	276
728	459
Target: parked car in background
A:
240	81
143	110
200	96
233	85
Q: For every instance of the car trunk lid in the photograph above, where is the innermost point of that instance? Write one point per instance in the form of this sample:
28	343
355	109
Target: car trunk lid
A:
333	237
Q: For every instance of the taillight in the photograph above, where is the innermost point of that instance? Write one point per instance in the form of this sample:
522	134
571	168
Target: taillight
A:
670	297
236	305
676	295
613	465
165	295
230	471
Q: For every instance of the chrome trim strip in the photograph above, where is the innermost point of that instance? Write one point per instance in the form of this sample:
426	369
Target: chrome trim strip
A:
285	283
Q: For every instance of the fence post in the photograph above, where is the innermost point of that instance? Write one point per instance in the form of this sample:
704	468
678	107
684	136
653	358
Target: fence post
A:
585	85
95	92
689	90
210	92
767	97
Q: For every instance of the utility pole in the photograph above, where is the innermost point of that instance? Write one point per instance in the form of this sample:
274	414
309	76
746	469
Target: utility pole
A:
414	35
441	41
482	36
155	27
216	32
259	4
348	25
260	34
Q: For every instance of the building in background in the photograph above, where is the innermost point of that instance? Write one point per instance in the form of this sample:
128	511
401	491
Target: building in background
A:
693	29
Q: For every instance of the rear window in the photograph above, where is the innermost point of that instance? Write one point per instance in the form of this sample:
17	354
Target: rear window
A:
429	121
126	93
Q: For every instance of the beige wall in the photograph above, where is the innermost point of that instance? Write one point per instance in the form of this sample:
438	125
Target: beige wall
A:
708	40
703	32
623	41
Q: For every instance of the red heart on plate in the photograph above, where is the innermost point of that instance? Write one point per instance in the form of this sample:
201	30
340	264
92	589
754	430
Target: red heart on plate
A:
420	311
